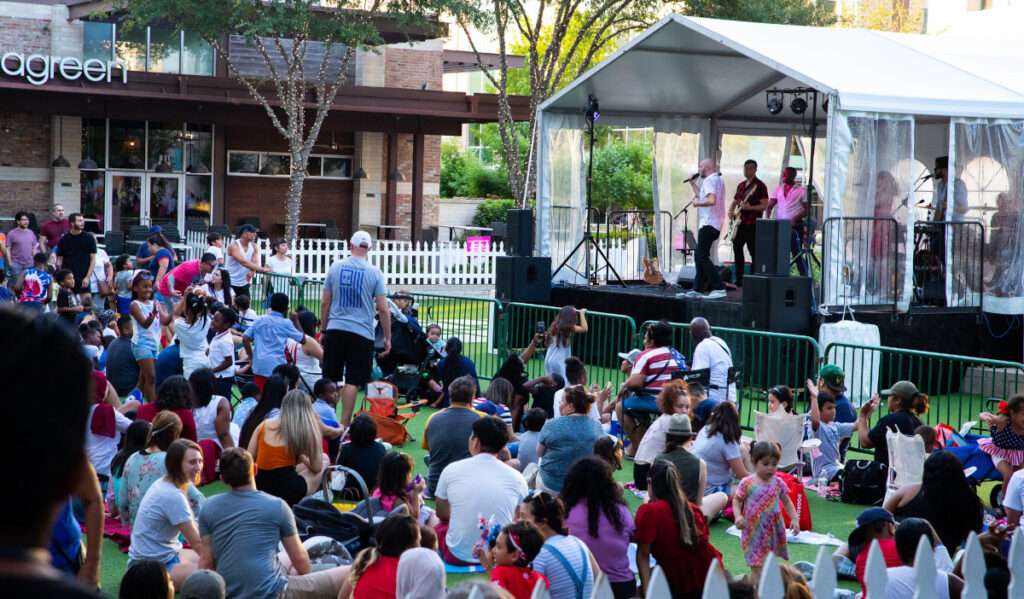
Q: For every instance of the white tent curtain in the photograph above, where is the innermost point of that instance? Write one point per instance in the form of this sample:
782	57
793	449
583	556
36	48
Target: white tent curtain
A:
870	175
989	159
561	189
677	151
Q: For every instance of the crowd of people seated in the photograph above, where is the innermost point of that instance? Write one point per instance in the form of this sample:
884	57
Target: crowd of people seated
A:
177	392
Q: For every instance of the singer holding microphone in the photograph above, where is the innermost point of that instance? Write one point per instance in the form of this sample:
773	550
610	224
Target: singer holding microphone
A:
710	203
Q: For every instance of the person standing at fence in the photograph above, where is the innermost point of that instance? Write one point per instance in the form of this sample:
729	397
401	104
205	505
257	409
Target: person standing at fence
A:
790	202
712	353
569	322
243	260
352	289
748	205
710	203
270	333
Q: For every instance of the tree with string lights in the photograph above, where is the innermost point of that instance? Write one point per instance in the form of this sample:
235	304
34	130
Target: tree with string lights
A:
286	34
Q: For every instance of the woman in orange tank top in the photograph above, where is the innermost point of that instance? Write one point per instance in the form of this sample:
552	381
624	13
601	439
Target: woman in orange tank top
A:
288	450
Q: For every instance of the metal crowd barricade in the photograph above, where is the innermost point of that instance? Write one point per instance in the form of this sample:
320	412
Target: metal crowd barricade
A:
475	321
765	360
958	387
598	348
952	279
862	262
263	284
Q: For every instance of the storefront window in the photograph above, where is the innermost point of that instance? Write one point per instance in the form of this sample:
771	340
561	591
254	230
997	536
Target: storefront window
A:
313	166
165	145
131	47
98	40
93	200
198	149
280	164
164	50
94	141
198	58
127	144
243	163
197	198
339	168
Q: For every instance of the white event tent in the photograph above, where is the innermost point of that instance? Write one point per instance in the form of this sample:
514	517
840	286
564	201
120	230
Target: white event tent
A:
895	102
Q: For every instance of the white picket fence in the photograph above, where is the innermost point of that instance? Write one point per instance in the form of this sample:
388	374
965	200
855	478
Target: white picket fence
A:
405	263
823	584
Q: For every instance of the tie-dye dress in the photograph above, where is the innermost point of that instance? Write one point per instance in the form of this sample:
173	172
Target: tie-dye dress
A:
765	528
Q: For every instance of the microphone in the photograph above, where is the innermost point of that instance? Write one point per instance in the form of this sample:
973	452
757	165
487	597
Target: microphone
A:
693	177
926	177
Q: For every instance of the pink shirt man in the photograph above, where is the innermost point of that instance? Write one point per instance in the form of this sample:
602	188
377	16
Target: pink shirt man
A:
788	200
183	273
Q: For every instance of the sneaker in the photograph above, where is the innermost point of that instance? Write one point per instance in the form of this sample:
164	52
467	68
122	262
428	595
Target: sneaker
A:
642	495
717	293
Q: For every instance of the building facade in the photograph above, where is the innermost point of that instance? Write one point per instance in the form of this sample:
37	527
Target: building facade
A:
152	129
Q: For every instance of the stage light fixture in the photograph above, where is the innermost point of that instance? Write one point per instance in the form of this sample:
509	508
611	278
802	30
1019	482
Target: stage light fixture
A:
798	105
774	104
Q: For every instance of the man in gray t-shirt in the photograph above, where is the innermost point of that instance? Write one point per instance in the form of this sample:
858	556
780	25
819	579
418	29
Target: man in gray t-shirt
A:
352	289
240	531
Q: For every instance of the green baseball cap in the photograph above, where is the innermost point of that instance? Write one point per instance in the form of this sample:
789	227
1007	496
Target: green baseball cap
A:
902	389
833	377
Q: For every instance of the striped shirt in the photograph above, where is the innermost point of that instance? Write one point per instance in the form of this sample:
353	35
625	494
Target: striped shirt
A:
561	583
657	365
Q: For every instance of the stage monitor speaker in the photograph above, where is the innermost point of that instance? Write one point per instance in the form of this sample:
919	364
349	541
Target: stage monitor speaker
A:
687	274
771	247
519	233
777	304
524	279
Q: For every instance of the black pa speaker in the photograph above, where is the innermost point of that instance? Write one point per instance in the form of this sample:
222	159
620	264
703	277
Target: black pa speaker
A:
524	279
777	304
771	247
519	233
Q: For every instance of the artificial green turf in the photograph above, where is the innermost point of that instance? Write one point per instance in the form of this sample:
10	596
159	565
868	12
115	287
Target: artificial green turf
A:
827	517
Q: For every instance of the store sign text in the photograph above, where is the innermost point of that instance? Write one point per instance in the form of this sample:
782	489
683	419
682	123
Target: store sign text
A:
39	69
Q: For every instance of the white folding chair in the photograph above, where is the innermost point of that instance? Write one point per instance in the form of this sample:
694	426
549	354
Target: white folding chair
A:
906	460
785	429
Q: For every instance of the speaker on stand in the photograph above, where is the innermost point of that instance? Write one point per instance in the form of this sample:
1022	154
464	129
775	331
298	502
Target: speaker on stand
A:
519	232
771	247
524	279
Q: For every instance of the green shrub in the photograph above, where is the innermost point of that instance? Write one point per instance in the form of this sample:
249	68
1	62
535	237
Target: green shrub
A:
492	211
462	175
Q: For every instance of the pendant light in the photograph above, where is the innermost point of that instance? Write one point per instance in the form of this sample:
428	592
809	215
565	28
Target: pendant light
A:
61	161
361	174
87	163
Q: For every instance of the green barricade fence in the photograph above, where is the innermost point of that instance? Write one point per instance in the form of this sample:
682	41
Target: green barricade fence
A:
958	387
765	359
263	284
607	335
312	291
475	321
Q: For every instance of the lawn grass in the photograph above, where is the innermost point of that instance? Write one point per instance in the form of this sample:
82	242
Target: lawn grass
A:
828	517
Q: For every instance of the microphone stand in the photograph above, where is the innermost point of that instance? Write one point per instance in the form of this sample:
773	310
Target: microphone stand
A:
686	227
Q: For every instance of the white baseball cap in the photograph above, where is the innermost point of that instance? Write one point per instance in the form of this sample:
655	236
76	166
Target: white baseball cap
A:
361	239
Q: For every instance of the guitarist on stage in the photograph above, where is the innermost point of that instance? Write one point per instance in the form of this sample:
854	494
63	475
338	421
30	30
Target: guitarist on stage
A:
748	204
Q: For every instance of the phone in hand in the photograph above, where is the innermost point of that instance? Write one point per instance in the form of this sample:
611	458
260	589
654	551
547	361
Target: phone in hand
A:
541	327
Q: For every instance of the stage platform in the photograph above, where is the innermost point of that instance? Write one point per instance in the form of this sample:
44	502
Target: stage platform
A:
940	330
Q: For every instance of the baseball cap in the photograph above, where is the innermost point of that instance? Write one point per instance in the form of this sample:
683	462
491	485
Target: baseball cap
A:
679	424
361	239
203	584
833	377
247	228
156	229
865	519
902	389
630	356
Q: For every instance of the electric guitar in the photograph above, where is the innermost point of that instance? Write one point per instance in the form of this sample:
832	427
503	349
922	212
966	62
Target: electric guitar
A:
652	275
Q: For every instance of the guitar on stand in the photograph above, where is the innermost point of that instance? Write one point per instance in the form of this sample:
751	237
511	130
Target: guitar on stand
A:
652	274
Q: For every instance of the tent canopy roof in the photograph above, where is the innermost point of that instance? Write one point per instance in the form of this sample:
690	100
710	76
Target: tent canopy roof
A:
710	68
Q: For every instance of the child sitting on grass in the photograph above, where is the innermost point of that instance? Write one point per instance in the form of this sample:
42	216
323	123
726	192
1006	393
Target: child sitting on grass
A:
1006	446
827	462
507	561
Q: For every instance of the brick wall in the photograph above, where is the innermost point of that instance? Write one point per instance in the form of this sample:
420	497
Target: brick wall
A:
25	35
33	196
411	67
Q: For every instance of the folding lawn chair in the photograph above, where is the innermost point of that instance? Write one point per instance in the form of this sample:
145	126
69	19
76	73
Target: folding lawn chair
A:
906	460
383	397
788	431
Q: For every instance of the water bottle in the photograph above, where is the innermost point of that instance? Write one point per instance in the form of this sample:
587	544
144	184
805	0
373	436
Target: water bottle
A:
822	485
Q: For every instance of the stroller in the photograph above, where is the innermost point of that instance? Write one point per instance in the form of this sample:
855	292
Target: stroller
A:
978	467
412	359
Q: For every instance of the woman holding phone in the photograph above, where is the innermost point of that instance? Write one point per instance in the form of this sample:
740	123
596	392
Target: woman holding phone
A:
568	323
